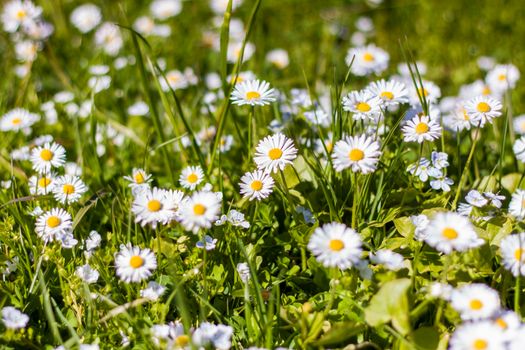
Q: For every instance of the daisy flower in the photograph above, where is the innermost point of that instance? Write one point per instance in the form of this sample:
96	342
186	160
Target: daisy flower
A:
153	292
390	92
367	60
152	206
18	13
69	189
139	178
41	184
164	9
430	92
360	153
201	210
362	104
87	274
519	149
256	185
50	155
503	77
278	58
108	37
482	110
253	92
86	17
513	253
13	318
392	260
191	176
420	129
458	120
335	245
274	152
18	119
519	124
475	301
477	336
450	231
53	223
517	205
134	264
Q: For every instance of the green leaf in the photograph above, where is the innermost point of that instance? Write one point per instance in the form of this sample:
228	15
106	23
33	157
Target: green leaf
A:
339	333
404	226
390	304
425	338
510	182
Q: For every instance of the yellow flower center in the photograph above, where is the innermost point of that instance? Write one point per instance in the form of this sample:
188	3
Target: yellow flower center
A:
356	155
199	209
154	205
256	185
476	304
20	14
502	77
192	178
139	178
450	233
518	253
16	121
53	221
68	189
329	146
480	344
182	340
465	115
173	78
421	128
43	182
387	94
363	107
46	155
368	57
483	107
500	322
251	95
485	91
275	153
136	261
336	245
423	92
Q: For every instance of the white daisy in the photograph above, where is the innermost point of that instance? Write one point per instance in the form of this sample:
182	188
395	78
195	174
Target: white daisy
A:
42	184
390	92
420	129
191	176
475	301
87	274
86	17
18	119
360	153
363	105
450	231
152	206
519	149
153	292
109	38
234	51
278	58
53	223
139	178
335	245
274	152
17	13
430	92
14	318
48	156
256	185
482	110
366	60
517	204
253	92
392	260
175	80
457	120
134	264
513	253
201	210
503	77
519	124
69	189
477	336
164	9
220	6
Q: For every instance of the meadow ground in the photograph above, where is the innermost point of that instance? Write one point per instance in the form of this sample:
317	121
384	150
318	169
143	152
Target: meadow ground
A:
293	174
